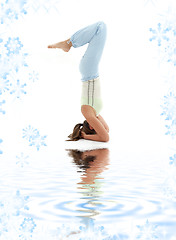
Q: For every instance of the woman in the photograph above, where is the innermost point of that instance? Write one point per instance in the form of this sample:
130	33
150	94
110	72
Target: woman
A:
94	127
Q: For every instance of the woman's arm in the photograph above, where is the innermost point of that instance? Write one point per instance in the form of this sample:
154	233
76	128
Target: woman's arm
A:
101	132
101	119
93	137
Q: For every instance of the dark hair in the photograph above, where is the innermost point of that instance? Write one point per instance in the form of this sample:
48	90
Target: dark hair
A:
76	134
78	158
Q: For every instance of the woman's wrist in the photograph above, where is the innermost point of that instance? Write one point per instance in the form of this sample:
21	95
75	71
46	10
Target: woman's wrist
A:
93	137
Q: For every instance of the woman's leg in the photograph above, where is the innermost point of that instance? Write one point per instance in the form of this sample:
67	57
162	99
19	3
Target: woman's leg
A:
95	36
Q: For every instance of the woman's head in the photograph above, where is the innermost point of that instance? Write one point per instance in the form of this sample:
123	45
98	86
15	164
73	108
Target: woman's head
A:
76	134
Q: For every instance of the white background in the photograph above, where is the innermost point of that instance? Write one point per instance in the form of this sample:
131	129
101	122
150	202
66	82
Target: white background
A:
129	73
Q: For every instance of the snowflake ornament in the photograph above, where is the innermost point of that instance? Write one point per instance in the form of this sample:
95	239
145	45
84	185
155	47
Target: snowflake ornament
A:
17	61
19	202
159	34
33	76
38	141
34	138
13	46
22	160
12	55
13	204
17	89
16	8
11	10
27	227
30	133
148	231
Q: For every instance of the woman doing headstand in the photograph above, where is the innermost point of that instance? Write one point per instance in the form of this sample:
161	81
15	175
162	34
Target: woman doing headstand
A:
94	127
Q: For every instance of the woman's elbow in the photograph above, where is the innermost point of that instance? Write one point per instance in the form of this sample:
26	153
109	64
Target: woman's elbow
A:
105	138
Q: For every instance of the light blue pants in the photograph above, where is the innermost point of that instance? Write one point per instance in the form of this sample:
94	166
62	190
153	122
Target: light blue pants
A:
95	35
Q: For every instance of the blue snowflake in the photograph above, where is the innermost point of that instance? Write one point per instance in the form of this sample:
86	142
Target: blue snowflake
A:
19	202
34	137
27	227
18	89
12	205
30	133
148	231
11	10
1	110
16	8
38	141
169	106
171	129
1	152
22	160
13	46
16	61
4	83
12	56
159	34
173	160
92	232
33	76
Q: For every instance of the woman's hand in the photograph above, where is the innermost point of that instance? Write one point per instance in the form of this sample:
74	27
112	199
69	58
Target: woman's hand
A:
93	137
83	134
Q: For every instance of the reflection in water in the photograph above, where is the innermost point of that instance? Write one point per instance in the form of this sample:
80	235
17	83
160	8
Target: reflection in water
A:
91	164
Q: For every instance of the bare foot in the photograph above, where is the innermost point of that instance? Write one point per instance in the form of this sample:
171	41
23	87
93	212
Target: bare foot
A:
65	45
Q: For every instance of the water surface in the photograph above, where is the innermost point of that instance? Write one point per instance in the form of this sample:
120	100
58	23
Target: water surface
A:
87	193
